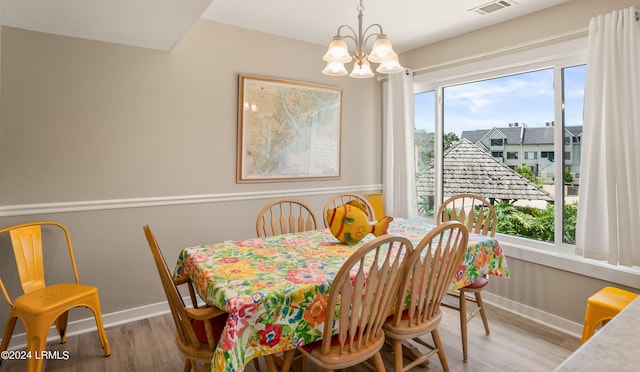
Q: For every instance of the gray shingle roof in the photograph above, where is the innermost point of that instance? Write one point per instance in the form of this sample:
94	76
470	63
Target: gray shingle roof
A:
538	135
531	135
576	130
469	169
474	135
512	134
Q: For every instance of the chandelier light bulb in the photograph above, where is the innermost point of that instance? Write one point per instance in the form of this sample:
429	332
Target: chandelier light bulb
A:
381	51
361	69
390	65
335	69
338	51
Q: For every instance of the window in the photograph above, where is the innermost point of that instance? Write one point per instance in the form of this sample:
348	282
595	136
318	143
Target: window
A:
481	99
424	142
473	111
573	80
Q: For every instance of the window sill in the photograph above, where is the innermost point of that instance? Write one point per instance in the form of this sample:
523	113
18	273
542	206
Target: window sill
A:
568	261
563	258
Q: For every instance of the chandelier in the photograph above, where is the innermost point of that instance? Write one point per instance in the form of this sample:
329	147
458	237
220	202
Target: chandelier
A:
381	52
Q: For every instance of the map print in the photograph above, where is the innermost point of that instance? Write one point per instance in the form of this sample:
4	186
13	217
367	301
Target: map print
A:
290	131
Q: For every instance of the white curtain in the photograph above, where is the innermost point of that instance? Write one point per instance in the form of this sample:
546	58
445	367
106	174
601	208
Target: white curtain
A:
398	168
608	226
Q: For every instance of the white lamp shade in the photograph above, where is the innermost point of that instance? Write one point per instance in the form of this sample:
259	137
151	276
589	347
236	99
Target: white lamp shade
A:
337	51
361	70
390	66
334	69
381	50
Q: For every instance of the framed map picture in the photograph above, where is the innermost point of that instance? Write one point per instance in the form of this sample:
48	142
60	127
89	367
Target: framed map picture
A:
287	130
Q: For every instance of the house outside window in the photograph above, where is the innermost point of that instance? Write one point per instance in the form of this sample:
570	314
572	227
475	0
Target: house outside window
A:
532	136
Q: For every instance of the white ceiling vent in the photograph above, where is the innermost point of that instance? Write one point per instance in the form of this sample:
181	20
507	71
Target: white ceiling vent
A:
492	6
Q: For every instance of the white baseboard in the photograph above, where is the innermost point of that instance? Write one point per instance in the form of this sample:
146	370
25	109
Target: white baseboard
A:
18	341
536	315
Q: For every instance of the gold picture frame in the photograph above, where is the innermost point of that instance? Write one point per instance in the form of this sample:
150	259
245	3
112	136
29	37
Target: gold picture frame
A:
288	130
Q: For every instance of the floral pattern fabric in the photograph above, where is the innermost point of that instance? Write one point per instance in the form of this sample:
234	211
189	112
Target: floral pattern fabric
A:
275	289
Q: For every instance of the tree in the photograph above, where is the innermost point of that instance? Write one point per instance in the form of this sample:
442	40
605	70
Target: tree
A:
449	139
568	178
535	223
525	172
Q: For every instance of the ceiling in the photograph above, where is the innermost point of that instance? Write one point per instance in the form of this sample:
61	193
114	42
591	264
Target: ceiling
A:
161	24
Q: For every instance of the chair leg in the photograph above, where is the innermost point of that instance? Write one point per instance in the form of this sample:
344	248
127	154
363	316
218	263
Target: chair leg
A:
97	314
187	365
397	356
441	355
271	364
463	324
483	314
410	350
590	328
36	343
8	332
61	326
287	359
377	360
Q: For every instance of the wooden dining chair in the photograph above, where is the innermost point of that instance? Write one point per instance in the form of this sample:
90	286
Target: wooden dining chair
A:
198	330
41	305
340	199
429	272
285	216
479	216
358	304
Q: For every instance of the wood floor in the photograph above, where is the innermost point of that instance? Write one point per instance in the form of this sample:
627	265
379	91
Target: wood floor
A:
515	344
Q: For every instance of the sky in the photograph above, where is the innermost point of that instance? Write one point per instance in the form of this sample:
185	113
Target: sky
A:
521	98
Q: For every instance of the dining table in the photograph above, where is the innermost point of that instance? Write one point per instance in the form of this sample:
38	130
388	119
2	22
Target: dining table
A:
275	289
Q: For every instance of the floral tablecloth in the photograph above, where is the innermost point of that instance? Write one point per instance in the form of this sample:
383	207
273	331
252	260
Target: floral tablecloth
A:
275	288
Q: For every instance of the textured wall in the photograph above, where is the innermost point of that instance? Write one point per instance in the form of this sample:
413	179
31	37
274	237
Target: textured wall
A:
85	121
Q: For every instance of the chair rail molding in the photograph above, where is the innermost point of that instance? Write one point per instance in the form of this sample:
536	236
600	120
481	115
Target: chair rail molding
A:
95	205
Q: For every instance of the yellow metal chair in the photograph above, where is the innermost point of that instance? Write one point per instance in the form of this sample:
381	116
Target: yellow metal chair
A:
603	306
377	203
41	305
